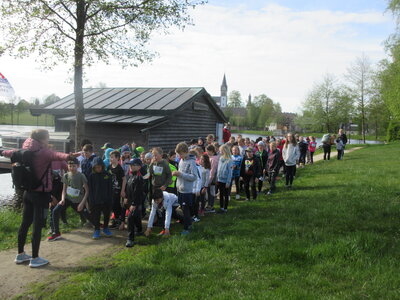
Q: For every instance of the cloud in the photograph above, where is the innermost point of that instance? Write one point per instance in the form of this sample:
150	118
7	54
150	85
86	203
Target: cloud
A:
276	50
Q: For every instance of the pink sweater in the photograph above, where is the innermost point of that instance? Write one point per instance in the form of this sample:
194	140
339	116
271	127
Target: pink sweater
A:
44	157
214	166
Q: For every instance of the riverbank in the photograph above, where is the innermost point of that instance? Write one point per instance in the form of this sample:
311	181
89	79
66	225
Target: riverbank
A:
328	237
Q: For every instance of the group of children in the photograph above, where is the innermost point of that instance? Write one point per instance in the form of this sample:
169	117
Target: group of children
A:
180	184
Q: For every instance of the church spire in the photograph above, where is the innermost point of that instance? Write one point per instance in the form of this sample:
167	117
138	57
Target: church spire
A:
224	93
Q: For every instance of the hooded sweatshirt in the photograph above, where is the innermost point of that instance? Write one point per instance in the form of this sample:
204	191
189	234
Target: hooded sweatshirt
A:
107	156
290	154
100	185
186	180
43	158
170	201
224	173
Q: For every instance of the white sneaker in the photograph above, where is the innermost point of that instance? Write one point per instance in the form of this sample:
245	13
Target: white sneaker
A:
237	197
38	262
247	199
195	219
21	258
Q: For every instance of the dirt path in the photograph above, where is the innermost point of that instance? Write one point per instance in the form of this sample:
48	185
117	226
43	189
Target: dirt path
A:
63	254
320	156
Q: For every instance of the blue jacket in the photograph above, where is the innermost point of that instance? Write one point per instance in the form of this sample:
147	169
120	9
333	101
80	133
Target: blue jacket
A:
237	162
100	185
86	165
224	173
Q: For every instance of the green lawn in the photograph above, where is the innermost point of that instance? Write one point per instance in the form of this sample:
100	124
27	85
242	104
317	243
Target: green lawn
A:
352	136
334	236
259	132
27	119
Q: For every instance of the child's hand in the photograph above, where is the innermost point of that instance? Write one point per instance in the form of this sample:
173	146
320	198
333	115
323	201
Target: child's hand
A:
81	206
123	194
163	188
62	202
203	190
147	232
176	173
256	180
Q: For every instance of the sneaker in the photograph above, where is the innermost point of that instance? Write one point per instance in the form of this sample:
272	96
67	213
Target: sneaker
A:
185	232
221	211
195	219
38	262
269	193
21	258
210	210
162	232
129	243
54	237
247	199
96	235
107	232
237	197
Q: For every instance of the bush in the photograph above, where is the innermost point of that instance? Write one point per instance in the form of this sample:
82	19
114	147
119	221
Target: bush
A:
393	131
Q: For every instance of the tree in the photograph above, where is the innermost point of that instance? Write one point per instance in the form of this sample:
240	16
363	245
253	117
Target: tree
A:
235	99
87	31
51	99
359	76
22	106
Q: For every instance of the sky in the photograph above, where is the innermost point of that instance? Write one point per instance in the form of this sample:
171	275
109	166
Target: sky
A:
280	48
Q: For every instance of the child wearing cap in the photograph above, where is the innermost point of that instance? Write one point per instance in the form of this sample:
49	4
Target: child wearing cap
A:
134	200
250	171
75	193
100	197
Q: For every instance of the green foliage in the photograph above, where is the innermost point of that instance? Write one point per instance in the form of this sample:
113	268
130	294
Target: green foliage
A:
334	236
393	131
235	99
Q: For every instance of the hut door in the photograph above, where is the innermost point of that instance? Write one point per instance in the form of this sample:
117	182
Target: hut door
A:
218	133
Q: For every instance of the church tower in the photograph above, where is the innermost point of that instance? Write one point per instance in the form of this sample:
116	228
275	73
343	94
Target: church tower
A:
224	93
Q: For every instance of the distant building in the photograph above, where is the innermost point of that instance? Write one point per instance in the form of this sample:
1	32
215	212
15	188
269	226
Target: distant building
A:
151	117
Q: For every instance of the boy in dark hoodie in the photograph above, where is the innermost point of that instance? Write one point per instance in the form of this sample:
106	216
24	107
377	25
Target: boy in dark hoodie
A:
100	196
134	200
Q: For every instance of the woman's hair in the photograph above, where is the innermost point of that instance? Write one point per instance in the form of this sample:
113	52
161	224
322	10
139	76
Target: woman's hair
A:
39	134
225	151
291	141
182	148
207	163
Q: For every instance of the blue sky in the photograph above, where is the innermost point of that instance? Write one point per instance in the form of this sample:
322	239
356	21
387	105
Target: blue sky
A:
280	48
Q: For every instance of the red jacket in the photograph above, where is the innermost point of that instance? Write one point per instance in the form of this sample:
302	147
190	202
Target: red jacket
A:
226	135
43	158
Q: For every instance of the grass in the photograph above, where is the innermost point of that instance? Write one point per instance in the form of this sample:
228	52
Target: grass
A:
257	132
352	136
27	119
335	235
10	220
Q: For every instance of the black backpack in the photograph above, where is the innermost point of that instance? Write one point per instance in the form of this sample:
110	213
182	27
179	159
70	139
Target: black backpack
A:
23	173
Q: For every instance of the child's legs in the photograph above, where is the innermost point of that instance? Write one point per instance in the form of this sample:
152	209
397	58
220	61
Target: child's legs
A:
253	187
221	188
106	210
272	181
202	201
312	157
237	185
246	180
289	174
260	184
185	200
116	207
131	227
95	216
40	211
55	217
211	195
225	195
27	219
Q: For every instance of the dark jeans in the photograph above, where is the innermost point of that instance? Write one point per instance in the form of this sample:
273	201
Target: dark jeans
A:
96	211
194	209
134	222
312	157
327	151
340	154
237	185
119	213
272	181
290	171
57	211
249	181
36	205
186	200
302	159
223	195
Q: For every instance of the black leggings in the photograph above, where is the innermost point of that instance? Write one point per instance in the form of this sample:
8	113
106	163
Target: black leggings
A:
96	212
119	213
237	185
57	211
302	159
223	195
134	222
327	151
36	205
311	157
186	200
290	171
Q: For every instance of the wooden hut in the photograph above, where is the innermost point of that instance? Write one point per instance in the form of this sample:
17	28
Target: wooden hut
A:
150	116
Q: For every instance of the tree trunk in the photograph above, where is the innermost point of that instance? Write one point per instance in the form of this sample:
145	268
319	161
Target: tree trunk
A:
78	75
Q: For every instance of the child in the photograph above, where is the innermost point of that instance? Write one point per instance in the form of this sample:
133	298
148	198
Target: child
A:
224	177
75	193
214	158
169	203
134	200
250	171
303	146
312	146
290	155
273	166
86	164
194	210
160	172
100	197
119	182
186	177
210	140
237	161
262	153
205	175
339	148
